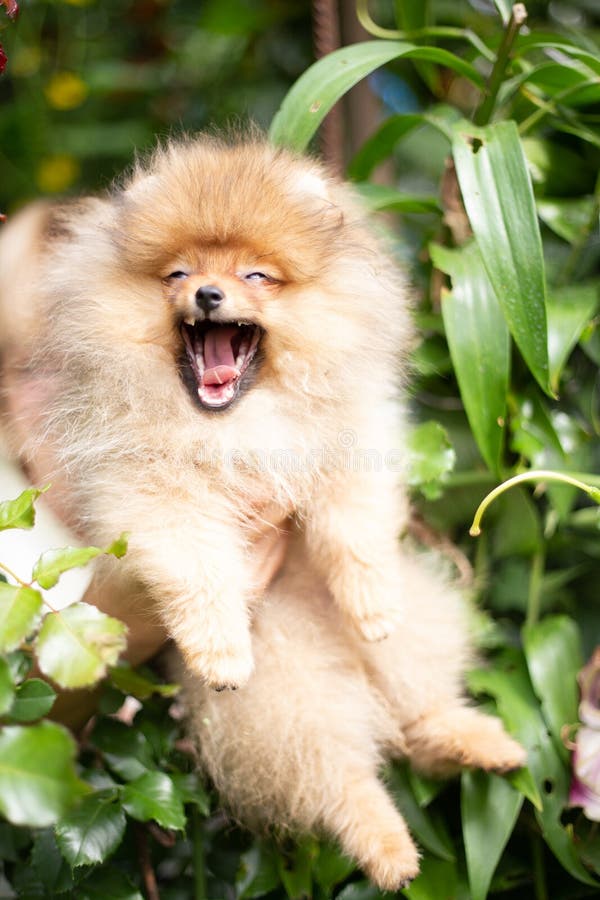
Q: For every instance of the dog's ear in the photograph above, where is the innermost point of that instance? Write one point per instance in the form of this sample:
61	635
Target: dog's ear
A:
311	183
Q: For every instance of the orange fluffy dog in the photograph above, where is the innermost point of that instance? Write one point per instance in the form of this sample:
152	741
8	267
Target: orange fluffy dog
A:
212	346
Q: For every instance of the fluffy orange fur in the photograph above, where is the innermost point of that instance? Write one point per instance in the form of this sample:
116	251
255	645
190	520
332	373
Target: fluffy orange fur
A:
93	297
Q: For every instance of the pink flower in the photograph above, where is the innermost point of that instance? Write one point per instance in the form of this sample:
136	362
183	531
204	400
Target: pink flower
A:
585	786
11	6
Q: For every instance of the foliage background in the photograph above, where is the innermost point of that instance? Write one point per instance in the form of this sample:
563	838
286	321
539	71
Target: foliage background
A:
87	83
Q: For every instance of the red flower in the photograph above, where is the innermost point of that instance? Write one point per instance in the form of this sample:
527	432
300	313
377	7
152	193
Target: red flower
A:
2	59
12	7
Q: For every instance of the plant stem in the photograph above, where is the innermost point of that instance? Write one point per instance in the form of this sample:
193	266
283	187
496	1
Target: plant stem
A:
535	587
198	857
539	875
11	574
368	23
534	475
517	19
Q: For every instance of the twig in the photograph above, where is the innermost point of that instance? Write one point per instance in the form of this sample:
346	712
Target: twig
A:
143	851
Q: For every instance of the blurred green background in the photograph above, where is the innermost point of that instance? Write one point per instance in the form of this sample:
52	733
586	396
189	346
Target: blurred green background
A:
90	81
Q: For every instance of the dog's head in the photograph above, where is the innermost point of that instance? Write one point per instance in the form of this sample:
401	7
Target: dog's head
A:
263	261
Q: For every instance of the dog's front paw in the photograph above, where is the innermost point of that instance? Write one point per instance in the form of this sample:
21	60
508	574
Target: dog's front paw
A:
370	598
224	667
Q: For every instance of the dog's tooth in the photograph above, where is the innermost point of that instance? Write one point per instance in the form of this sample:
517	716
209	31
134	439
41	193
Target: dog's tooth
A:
190	320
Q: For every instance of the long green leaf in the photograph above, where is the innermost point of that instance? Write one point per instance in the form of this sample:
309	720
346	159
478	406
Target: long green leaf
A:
569	311
312	96
553	652
498	196
508	682
489	810
479	345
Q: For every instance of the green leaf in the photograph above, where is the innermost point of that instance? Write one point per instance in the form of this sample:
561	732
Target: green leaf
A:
88	834
74	647
33	700
20	612
133	682
498	196
192	790
258	873
126	749
489	810
479	345
567	218
20	513
37	774
378	197
569	311
331	867
438	878
7	689
295	869
361	890
431	457
428	832
53	563
504	7
381	144
508	682
553	652
312	96
155	796
107	883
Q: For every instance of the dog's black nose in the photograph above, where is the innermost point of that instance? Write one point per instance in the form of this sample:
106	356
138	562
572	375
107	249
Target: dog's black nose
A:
208	297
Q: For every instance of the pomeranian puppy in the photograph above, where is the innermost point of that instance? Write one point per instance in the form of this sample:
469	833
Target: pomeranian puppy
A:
214	339
214	345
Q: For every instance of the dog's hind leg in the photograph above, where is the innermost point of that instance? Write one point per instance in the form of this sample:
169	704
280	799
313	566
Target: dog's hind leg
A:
420	670
299	746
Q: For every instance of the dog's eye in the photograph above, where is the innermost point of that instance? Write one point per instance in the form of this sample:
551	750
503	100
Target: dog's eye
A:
257	276
176	275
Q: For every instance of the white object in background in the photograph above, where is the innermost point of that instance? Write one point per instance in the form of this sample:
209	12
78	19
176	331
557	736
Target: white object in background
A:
20	549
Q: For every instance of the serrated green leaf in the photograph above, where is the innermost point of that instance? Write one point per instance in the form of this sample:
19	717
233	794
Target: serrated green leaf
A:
37	774
7	689
105	883
126	749
331	867
554	657
438	878
489	810
51	564
20	513
132	682
155	796
33	700
74	647
431	457
312	96
89	834
479	345
192	790
20	612
498	197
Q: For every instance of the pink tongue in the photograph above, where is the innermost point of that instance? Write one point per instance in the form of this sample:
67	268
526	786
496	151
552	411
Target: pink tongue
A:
218	356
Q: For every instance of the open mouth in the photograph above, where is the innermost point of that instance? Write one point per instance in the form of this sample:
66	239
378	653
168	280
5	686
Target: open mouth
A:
219	355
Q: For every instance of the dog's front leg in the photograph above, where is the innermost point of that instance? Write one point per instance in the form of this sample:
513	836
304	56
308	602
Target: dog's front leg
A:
352	531
195	567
